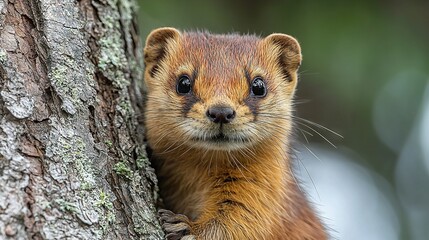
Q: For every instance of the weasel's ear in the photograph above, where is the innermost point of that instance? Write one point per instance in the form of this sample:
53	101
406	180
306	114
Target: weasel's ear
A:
288	53
156	46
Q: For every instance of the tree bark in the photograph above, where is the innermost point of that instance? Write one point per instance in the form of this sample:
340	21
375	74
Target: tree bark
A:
72	158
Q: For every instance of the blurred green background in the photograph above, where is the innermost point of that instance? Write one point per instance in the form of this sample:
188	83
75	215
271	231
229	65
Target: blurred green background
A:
365	75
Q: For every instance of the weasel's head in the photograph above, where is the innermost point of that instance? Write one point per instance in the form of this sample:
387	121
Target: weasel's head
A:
218	92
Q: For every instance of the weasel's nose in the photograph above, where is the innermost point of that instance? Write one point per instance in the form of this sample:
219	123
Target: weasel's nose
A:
220	114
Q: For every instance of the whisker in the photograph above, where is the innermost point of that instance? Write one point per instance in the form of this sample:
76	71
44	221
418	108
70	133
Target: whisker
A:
314	130
318	125
312	153
305	137
309	176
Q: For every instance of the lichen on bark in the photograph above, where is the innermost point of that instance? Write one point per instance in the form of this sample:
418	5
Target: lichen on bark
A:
69	103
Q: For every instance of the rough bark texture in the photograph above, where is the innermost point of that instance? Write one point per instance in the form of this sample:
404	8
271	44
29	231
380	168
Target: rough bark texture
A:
72	160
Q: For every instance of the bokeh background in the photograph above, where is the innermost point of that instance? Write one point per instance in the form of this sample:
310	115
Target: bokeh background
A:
365	75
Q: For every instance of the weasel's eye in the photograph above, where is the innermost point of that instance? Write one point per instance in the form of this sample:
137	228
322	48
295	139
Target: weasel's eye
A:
258	87
183	85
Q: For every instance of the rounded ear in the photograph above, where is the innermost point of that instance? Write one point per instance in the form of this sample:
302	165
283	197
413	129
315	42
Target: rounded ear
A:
289	53
156	46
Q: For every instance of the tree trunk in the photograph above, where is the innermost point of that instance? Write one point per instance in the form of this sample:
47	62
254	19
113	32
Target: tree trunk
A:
72	158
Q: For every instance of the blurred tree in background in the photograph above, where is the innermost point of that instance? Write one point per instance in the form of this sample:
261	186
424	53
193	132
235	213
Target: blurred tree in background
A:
364	75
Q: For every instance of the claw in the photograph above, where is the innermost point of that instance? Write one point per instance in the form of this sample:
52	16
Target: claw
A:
176	218
165	211
173	236
189	237
176	226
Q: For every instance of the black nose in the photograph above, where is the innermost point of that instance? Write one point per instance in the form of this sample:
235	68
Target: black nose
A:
220	114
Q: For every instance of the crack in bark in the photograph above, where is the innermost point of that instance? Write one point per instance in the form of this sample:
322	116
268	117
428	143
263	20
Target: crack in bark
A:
23	95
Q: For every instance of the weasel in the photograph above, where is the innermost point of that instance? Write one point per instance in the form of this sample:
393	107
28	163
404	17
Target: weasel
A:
219	118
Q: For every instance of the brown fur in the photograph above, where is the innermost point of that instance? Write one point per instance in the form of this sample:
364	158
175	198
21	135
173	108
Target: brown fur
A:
236	190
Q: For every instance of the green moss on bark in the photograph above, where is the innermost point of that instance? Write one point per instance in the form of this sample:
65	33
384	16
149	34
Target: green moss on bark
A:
122	169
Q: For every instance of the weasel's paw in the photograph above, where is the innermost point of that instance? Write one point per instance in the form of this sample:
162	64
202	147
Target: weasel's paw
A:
176	226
